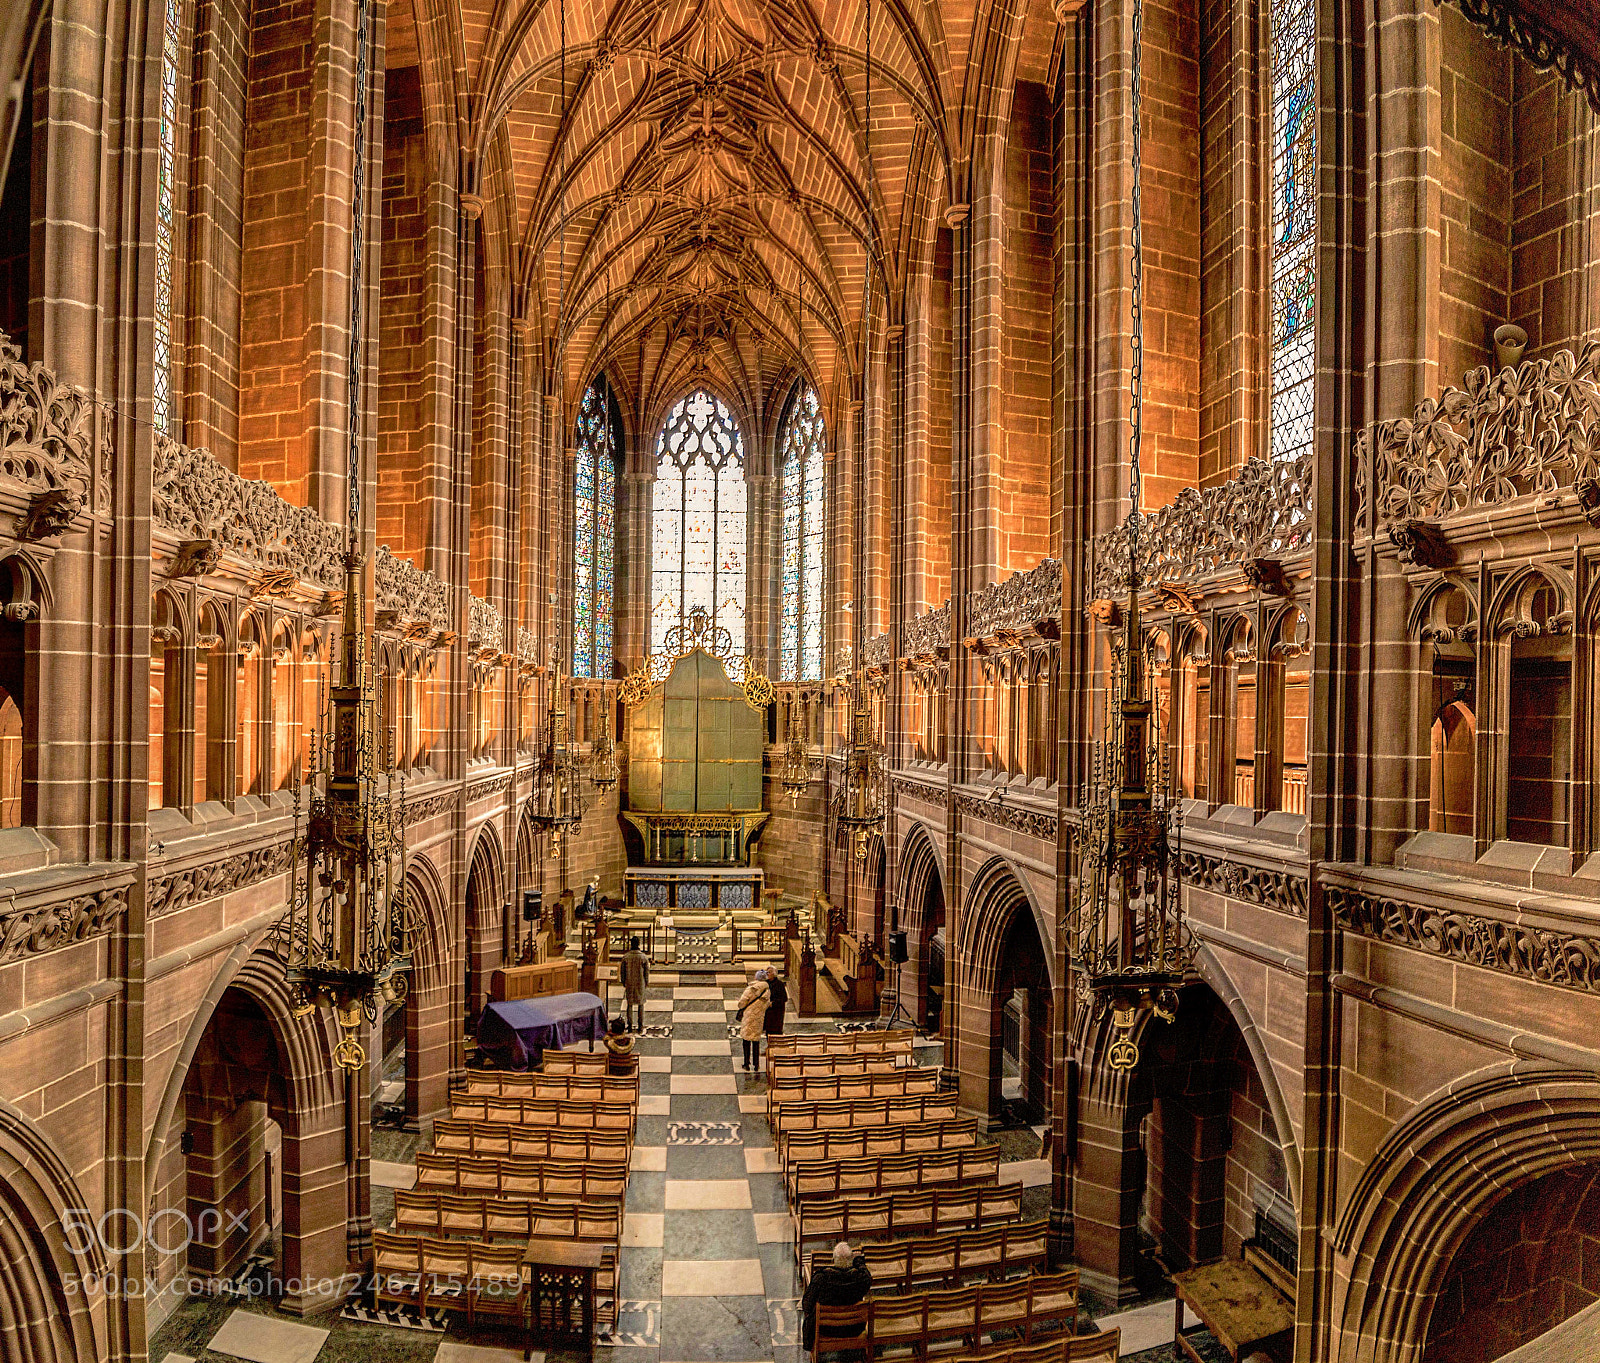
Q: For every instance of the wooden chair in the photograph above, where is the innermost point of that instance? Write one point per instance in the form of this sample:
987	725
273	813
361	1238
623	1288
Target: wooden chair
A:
446	1270
397	1269
495	1287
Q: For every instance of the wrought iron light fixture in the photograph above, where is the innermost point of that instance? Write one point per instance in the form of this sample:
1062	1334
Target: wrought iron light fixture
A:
799	769
557	788
1125	932
346	939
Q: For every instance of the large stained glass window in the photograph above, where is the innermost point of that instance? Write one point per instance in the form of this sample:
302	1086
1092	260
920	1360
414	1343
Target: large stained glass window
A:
698	520
800	448
1294	224
594	532
167	170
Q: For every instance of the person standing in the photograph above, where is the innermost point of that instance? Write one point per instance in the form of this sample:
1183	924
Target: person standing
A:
752	1011
635	976
777	1001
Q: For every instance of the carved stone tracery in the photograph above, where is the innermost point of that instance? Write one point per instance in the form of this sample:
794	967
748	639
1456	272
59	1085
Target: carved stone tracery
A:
54	437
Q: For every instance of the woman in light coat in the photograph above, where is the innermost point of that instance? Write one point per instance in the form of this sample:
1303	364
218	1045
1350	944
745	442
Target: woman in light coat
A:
752	1012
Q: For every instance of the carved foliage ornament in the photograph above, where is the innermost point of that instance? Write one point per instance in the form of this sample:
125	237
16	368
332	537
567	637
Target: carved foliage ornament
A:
929	633
50	432
44	927
180	889
1022	602
1513	26
1033	823
1539	954
1529	430
1263	513
1271	888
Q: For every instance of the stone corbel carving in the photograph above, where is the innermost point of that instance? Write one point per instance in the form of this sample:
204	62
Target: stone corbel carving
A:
1179	599
1420	544
274	582
195	558
1266	576
1106	612
170	635
49	514
386	620
1588	490
20	612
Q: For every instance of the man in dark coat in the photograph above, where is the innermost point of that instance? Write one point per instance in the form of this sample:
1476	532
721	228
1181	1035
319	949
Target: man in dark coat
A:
777	1001
844	1282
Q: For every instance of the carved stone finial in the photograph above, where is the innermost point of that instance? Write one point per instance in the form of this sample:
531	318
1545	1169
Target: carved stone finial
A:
196	558
49	513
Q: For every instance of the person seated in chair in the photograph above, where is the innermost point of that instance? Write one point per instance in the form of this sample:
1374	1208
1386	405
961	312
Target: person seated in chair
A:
619	1048
844	1282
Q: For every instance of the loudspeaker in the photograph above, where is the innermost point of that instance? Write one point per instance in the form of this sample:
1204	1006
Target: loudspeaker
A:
532	905
897	947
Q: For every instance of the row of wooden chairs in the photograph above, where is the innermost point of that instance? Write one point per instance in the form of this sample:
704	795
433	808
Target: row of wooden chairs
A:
927	1211
914	1079
508	1218
950	1259
848	1113
845	1062
427	1275
891	1173
510	1176
470	1137
586	1062
1036	1306
839	1043
572	1115
1104	1347
861	1141
602	1088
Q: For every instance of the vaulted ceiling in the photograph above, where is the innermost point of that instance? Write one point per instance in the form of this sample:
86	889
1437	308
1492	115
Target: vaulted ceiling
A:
686	191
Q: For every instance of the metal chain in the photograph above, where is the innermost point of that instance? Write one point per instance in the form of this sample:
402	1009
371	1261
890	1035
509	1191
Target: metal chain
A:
357	239
1136	372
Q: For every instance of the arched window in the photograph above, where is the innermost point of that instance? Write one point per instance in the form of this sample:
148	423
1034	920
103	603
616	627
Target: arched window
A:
1294	224
698	522
801	444
594	531
166	200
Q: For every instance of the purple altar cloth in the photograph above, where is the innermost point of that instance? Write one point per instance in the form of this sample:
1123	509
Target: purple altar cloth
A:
515	1034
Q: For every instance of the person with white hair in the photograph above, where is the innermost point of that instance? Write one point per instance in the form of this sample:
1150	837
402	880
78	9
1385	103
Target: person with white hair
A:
751	1010
844	1282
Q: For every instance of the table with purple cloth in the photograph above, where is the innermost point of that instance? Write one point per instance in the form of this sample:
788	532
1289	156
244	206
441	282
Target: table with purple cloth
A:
515	1034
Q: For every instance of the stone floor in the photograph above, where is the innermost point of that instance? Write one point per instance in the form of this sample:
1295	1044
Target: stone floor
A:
707	1269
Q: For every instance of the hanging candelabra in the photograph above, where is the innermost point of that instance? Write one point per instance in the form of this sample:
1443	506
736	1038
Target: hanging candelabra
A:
799	768
557	790
1125	932
345	942
862	798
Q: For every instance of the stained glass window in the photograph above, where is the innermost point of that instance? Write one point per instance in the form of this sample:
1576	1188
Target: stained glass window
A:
698	520
1294	224
801	443
594	532
167	150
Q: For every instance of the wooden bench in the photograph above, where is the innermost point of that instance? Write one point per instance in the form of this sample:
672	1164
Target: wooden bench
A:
858	1142
601	1088
1037	1305
1246	1303
800	965
467	1137
901	1039
891	1173
533	981
854	974
510	1176
997	1252
573	1114
1104	1347
811	1088
892	1216
428	1274
836	1115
